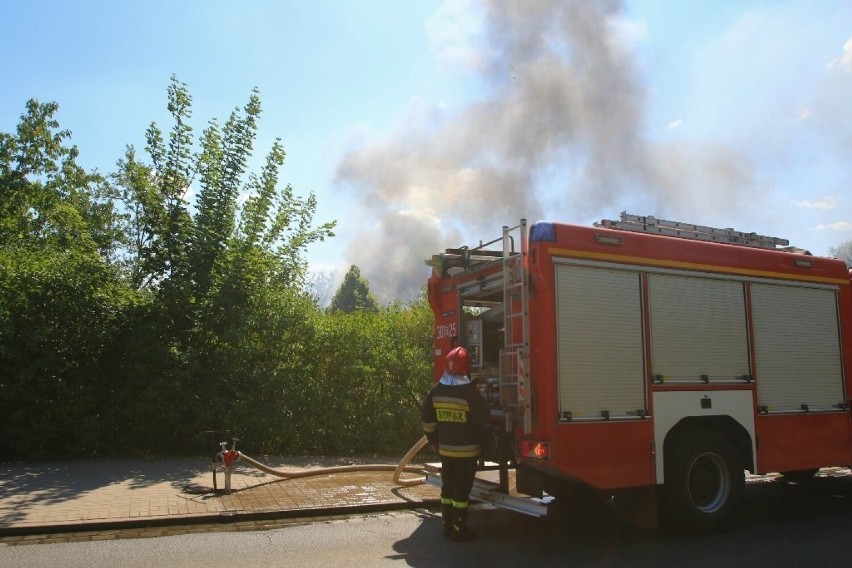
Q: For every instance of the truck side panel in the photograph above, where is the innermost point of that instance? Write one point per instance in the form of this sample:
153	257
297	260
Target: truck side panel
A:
606	455
792	442
694	332
443	299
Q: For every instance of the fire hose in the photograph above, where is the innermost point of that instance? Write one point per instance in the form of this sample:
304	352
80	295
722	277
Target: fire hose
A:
229	457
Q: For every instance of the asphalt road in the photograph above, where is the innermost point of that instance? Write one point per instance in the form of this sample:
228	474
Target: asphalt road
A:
782	524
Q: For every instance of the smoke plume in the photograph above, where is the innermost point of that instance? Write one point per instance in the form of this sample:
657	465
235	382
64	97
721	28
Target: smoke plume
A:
559	134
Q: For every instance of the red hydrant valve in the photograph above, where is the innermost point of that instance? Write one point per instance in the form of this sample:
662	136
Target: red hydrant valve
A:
229	457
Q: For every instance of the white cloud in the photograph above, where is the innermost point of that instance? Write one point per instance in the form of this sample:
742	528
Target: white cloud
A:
824	203
676	123
804	113
838	226
844	62
453	31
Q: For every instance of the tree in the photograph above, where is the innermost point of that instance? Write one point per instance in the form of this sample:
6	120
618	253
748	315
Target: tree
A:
167	246
843	251
46	198
353	294
61	299
131	319
144	221
226	276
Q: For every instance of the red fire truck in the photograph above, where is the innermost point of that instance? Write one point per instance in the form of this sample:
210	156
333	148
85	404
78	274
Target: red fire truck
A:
643	354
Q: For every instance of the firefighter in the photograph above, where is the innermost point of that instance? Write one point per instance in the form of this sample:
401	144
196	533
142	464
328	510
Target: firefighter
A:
455	419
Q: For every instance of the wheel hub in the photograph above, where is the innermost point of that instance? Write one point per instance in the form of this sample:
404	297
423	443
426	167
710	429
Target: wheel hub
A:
709	482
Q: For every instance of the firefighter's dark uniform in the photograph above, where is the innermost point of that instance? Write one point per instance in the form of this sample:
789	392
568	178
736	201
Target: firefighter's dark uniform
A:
455	417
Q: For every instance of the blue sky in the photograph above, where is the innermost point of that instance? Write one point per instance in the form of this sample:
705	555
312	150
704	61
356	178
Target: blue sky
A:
427	124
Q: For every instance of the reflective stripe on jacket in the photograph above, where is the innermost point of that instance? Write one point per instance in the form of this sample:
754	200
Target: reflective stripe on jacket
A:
455	417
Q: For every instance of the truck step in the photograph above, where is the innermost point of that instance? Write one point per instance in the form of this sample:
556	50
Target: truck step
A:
487	491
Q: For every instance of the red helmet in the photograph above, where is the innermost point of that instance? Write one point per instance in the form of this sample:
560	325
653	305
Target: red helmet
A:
458	361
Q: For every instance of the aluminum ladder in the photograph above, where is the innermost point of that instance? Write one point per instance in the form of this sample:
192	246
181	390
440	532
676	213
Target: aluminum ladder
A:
651	224
514	357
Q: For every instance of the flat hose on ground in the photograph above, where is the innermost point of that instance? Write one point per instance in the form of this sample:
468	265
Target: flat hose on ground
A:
397	469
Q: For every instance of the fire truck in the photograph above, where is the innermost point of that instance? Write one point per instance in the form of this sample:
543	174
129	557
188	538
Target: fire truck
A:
649	357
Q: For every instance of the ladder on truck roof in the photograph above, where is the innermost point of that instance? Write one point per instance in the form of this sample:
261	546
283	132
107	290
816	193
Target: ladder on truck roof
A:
514	357
651	224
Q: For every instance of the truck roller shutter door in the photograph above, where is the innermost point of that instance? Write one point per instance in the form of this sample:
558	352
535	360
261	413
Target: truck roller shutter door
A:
698	329
797	348
600	351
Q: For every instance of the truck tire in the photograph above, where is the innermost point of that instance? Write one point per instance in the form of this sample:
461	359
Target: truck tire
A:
704	483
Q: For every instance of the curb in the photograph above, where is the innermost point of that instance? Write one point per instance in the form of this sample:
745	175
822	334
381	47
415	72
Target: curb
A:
220	518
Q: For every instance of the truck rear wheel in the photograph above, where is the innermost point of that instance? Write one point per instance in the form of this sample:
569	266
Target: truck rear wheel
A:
704	483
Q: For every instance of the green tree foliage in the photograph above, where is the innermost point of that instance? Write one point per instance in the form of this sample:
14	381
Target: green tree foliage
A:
144	221
372	370
46	199
170	246
132	319
353	294
60	313
225	276
61	300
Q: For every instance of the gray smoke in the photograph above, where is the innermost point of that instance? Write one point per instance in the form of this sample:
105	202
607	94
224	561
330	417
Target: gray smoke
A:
560	135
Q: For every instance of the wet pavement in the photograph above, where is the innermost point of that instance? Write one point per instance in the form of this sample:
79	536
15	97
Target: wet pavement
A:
67	497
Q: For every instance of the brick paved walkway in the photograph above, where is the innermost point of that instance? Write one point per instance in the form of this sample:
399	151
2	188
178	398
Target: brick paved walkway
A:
92	498
67	496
